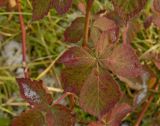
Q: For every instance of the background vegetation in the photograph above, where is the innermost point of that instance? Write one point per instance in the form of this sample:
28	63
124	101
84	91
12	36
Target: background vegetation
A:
44	44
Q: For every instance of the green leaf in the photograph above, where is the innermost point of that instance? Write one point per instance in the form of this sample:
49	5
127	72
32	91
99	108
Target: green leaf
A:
100	93
40	8
128	9
32	117
62	6
34	92
59	115
74	32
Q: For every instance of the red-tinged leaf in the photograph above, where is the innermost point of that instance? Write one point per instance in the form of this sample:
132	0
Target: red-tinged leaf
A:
148	22
109	26
154	56
78	64
113	15
82	7
100	93
96	124
105	24
74	78
34	92
94	35
131	30
74	32
104	45
156	119
76	57
156	20
60	116
3	3
133	83
128	9
40	8
32	117
62	6
156	5
123	61
118	113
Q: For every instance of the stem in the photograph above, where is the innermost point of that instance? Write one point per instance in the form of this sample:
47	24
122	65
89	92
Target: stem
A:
87	23
72	101
62	97
22	25
146	106
125	37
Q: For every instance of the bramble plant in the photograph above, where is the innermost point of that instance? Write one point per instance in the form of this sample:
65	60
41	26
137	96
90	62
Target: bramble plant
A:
100	56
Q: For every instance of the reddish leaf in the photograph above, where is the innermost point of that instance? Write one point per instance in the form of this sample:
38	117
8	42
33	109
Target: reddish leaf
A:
78	64
123	61
76	57
3	3
59	116
154	56
94	35
32	117
109	26
40	8
74	32
156	119
103	45
85	73
117	114
62	6
156	5
131	30
113	15
105	24
82	7
128	9
34	92
156	20
96	124
100	93
74	78
148	22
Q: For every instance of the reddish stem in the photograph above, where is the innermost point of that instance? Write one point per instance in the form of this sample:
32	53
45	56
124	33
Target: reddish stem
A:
72	101
146	106
62	97
22	25
87	23
125	34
